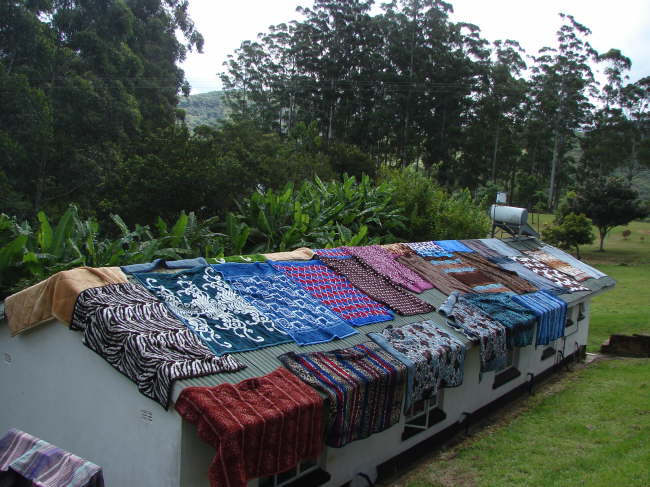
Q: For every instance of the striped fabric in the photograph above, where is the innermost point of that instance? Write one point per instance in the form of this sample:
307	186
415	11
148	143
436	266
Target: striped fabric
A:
259	427
551	315
136	334
383	262
334	291
364	387
433	357
378	287
435	274
478	327
518	320
23	456
429	249
498	275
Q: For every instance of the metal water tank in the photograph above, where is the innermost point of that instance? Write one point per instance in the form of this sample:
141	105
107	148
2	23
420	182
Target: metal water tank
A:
509	214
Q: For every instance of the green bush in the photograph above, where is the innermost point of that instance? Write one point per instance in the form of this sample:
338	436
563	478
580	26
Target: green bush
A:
569	232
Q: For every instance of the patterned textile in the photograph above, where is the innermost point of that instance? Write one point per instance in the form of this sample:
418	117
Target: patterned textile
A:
534	279
568	258
453	246
23	456
519	320
237	258
433	357
498	275
258	427
435	274
551	315
562	266
291	308
138	335
383	262
334	291
480	248
166	264
303	253
478	327
398	249
480	282
377	286
364	387
213	310
558	278
429	249
335	253
501	247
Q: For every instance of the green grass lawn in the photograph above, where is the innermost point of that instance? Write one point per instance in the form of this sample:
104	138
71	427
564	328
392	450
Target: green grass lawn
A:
593	431
591	427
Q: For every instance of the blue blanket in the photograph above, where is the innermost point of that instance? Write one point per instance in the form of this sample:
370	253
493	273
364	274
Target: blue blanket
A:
453	246
209	307
291	308
551	314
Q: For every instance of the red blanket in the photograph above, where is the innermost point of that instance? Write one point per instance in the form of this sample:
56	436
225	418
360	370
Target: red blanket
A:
259	427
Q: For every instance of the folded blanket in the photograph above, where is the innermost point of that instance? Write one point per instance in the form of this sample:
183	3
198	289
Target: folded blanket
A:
258	427
136	333
551	315
429	249
383	262
26	457
433	357
568	283
478	327
377	287
55	297
303	253
518	320
334	291
364	387
290	307
213	310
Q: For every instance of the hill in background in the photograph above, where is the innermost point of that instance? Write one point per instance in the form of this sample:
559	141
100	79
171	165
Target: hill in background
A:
204	109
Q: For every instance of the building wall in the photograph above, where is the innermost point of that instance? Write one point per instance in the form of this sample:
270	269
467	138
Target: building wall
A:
55	388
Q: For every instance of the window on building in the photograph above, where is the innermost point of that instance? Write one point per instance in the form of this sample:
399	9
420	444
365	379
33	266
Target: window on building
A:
423	415
509	371
307	474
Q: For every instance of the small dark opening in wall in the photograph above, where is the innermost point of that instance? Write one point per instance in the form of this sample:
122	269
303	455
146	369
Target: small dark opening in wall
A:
423	423
505	377
548	353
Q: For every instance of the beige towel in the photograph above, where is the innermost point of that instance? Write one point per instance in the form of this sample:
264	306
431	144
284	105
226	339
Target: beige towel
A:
56	296
303	253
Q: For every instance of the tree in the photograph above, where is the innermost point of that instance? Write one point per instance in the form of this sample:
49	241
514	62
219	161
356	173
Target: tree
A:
609	203
569	232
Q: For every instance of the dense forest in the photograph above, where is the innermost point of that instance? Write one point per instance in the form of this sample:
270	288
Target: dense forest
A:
95	114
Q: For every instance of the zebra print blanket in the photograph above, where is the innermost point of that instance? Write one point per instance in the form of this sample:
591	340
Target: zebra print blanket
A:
136	334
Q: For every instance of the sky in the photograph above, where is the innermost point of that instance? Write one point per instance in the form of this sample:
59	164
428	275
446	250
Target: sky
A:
623	24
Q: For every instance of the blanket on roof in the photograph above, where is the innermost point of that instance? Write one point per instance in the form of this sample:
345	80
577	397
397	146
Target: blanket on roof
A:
560	254
441	280
428	249
55	297
27	460
364	386
559	264
480	248
164	264
478	327
378	287
540	282
558	278
290	307
334	291
453	246
433	357
303	253
259	427
518	320
502	248
551	315
509	279
382	261
136	333
219	316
